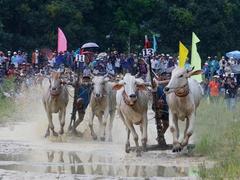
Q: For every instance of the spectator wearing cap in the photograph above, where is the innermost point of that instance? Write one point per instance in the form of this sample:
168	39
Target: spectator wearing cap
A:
35	57
214	87
171	62
206	71
14	59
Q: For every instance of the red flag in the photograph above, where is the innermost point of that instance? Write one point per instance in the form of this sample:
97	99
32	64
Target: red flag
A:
62	41
147	43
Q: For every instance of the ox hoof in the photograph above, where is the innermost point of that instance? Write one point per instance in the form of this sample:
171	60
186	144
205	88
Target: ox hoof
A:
127	148
144	148
77	133
94	137
102	138
177	148
47	134
139	153
61	132
55	134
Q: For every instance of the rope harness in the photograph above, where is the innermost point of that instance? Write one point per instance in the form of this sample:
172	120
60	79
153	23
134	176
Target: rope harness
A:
183	91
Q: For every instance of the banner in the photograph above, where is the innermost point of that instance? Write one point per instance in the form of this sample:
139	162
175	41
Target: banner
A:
62	41
195	58
147	42
155	43
183	53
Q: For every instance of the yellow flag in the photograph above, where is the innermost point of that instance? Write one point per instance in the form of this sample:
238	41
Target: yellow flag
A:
195	59
183	53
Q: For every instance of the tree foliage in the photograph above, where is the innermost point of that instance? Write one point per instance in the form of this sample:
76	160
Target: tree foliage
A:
30	24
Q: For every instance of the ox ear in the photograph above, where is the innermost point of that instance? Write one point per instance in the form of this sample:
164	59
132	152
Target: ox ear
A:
193	73
141	87
117	86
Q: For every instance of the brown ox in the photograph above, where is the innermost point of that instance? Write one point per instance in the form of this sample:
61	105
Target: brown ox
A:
55	100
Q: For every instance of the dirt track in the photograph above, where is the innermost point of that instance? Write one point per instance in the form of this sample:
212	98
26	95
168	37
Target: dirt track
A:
25	154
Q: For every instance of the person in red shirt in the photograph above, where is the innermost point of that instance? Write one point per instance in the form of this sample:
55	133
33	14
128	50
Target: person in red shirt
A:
214	87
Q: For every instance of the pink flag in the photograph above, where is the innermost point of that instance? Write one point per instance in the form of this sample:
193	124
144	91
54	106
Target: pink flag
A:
62	41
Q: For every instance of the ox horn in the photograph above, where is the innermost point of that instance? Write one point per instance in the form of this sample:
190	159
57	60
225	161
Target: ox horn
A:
190	69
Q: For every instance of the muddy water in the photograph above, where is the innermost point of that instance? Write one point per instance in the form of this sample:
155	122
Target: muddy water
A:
25	154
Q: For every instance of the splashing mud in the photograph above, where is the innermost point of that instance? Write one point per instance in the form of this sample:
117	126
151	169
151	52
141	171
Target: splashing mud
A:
26	154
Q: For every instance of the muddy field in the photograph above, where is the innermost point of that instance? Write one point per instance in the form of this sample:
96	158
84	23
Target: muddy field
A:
26	154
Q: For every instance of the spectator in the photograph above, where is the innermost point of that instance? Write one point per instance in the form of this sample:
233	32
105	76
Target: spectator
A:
14	59
206	71
19	58
118	65
214	87
110	68
228	69
230	92
155	64
2	58
59	60
142	71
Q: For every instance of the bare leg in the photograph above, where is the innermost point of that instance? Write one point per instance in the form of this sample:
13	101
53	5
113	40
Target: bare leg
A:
81	114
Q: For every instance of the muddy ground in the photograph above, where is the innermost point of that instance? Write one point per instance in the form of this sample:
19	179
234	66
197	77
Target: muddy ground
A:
26	154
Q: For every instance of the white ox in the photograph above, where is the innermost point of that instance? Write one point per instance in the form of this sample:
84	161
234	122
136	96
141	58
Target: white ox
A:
183	98
132	106
102	104
55	100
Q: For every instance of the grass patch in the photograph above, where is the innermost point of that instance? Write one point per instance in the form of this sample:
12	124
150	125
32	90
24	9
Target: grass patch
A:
218	132
7	106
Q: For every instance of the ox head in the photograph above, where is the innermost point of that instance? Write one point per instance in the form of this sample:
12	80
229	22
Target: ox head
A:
131	87
99	88
179	79
55	83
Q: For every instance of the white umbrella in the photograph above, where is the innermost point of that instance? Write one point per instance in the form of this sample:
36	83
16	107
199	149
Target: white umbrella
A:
90	45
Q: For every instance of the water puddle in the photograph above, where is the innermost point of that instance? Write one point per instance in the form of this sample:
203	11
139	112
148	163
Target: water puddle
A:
81	163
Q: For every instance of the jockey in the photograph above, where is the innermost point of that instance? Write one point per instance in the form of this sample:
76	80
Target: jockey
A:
161	111
83	98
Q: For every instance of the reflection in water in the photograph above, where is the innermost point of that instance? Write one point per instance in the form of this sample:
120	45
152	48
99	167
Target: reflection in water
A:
84	164
98	165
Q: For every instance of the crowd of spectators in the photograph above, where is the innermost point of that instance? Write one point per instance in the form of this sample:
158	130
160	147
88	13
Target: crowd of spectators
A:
221	77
